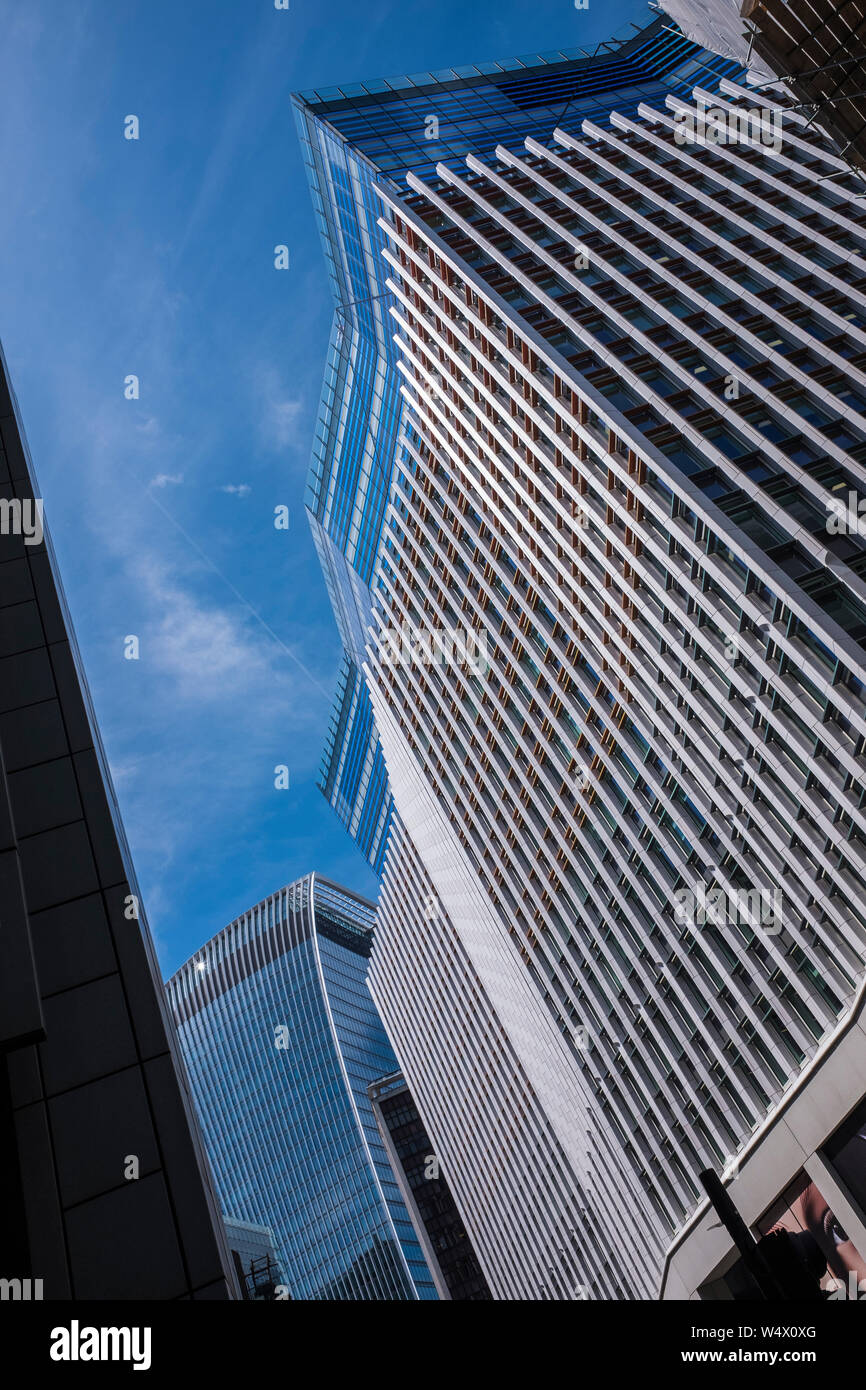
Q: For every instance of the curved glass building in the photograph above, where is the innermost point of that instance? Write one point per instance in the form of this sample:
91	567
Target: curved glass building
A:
282	1038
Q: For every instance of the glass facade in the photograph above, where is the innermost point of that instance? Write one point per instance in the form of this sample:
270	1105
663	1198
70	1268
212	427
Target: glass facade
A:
354	777
363	137
388	121
281	1040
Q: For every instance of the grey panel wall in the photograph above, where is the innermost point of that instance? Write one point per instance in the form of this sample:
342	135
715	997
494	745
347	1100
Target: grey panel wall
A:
89	1072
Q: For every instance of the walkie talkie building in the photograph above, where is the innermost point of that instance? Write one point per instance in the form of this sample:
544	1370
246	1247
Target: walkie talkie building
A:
282	1039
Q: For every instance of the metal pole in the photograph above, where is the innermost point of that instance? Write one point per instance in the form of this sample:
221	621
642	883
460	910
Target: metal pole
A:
741	1236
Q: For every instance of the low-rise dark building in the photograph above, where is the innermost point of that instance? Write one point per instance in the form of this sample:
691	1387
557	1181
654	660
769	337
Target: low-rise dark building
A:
441	1232
257	1261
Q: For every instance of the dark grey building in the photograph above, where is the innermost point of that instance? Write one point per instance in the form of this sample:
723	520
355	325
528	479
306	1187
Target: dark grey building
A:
416	1166
101	1165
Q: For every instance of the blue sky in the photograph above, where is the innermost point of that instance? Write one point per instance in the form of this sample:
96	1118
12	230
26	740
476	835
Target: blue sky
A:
155	258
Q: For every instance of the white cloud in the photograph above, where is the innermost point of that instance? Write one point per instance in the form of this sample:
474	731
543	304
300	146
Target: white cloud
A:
206	650
238	489
166	479
282	420
149	426
279	412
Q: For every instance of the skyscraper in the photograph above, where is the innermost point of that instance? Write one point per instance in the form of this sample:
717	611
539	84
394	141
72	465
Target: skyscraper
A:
106	1192
354	139
634	371
281	1039
632	354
